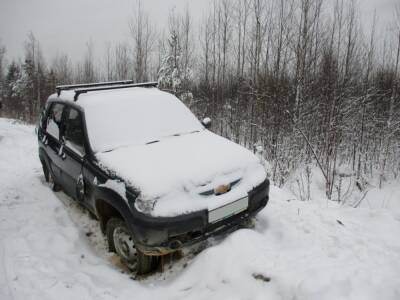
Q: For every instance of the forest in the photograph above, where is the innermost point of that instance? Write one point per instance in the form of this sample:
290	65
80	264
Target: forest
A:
303	83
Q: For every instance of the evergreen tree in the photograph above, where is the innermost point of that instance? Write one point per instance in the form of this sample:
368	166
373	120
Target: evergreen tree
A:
173	76
13	92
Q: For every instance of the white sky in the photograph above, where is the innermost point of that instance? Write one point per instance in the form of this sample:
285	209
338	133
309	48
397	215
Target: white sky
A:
65	26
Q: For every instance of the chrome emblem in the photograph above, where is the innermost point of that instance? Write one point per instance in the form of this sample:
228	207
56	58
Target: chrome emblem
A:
222	189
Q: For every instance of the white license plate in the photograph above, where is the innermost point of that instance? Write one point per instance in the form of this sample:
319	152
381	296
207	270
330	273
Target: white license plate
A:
228	210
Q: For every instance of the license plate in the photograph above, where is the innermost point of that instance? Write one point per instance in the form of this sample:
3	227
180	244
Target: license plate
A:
228	210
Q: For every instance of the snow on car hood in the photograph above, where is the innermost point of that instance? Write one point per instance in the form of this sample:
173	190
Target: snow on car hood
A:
176	174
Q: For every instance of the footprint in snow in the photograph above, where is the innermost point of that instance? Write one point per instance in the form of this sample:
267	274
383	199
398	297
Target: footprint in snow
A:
261	277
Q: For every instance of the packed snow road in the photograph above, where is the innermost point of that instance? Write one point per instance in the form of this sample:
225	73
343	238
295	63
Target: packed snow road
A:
50	248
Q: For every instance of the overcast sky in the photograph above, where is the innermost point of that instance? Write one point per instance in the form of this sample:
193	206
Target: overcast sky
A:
64	26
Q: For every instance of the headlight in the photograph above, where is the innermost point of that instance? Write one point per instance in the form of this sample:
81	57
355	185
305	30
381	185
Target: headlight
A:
145	206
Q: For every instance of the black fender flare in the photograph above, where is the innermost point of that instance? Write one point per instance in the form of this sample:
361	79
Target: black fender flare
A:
45	161
116	201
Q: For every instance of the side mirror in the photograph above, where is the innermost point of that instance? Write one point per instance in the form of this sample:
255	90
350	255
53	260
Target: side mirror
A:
206	122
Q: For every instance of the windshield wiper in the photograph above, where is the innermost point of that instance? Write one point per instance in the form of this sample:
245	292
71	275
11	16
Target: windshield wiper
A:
183	133
176	134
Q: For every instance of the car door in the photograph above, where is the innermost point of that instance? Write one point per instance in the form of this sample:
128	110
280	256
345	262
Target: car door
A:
73	153
52	139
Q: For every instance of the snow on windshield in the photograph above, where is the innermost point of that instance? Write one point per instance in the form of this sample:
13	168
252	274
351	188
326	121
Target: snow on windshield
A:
134	117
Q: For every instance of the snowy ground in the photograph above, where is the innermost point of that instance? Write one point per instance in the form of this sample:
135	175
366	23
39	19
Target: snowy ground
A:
51	249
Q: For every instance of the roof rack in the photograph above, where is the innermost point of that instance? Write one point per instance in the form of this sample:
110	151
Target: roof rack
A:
112	87
60	88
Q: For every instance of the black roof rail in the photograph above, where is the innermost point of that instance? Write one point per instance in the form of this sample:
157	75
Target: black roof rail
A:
113	87
60	88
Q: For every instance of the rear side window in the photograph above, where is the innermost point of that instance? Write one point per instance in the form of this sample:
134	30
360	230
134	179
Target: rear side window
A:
53	122
74	134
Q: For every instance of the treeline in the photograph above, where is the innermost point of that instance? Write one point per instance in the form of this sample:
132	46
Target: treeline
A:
304	79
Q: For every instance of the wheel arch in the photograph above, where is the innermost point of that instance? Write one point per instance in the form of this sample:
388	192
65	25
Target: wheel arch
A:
109	204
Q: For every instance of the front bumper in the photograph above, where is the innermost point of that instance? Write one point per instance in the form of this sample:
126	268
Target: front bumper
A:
158	236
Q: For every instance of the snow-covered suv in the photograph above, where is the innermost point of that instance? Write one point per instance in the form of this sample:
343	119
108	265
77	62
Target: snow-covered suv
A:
142	163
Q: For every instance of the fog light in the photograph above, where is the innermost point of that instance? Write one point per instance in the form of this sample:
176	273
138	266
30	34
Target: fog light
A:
175	244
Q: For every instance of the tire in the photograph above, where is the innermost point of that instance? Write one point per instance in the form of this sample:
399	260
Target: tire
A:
48	175
120	241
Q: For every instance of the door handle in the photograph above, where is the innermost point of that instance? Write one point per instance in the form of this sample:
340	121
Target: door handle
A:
61	152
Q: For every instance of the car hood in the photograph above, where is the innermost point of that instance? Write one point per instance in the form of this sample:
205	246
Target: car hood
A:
178	174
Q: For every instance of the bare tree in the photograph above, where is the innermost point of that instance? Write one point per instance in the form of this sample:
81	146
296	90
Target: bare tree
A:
89	73
143	39
61	65
122	61
109	67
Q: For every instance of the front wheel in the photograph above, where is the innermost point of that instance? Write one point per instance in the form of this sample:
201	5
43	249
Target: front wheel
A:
120	240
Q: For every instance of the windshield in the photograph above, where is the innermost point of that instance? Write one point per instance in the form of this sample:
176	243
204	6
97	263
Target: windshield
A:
134	117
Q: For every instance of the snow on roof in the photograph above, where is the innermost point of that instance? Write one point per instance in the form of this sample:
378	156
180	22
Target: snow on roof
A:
68	95
131	116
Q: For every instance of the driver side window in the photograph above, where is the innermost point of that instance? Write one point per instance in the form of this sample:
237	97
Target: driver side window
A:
53	123
74	135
